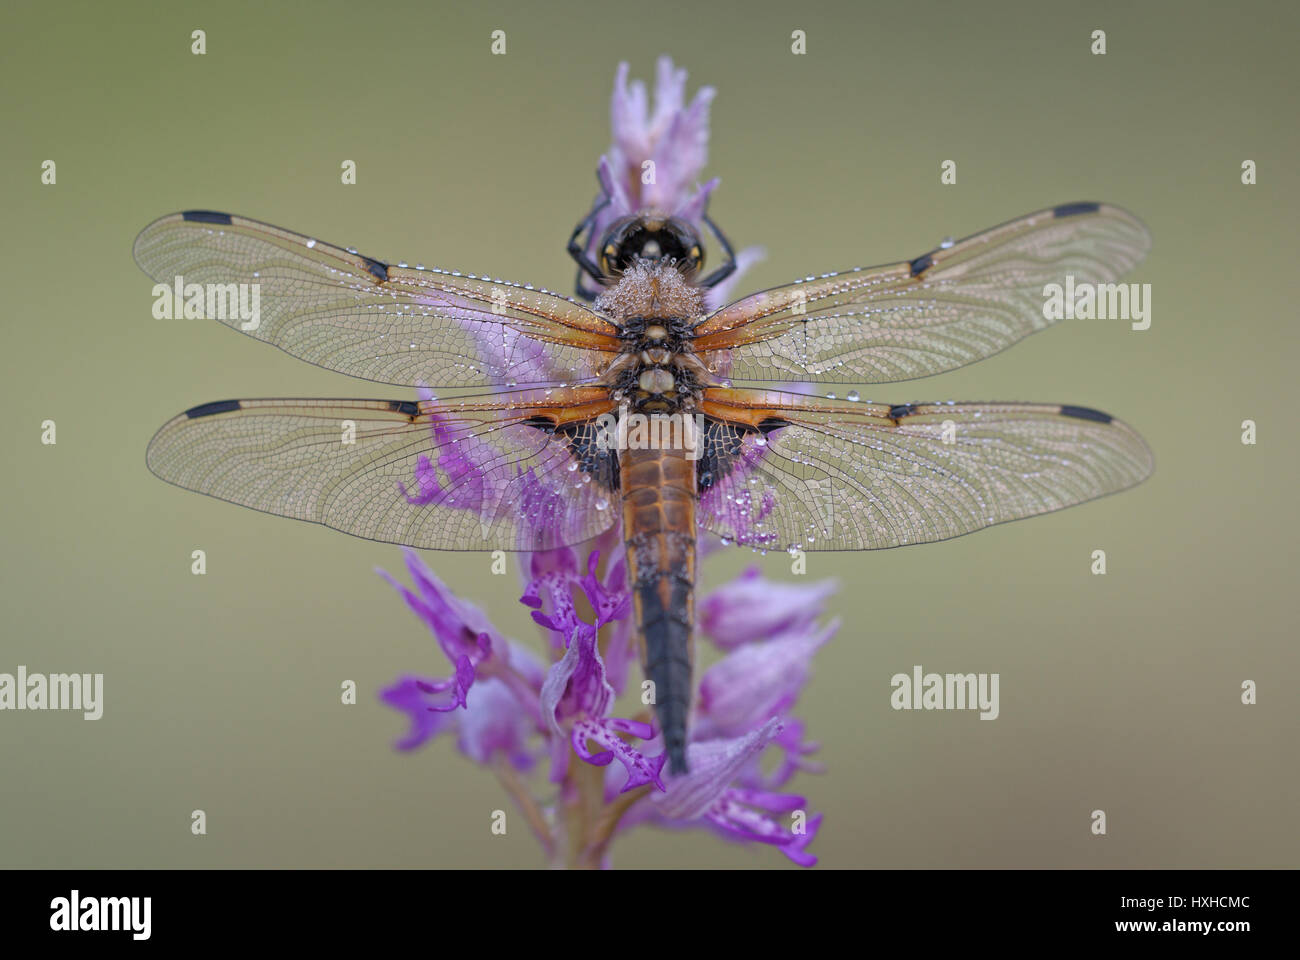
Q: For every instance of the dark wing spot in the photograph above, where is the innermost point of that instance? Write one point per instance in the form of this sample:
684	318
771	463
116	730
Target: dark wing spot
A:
901	410
1074	209
206	216
1086	413
377	269
407	408
540	422
208	409
599	460
922	264
723	443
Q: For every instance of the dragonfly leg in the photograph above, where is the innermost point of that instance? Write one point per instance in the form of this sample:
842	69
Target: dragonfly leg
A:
728	268
584	262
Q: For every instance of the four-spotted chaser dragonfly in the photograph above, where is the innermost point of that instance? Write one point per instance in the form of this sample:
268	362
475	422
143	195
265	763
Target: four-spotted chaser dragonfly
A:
530	466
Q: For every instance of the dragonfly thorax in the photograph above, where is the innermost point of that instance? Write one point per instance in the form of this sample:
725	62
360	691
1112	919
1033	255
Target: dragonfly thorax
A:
650	294
655	381
671	334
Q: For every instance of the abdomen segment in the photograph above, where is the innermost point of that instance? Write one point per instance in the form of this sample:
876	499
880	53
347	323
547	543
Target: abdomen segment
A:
659	496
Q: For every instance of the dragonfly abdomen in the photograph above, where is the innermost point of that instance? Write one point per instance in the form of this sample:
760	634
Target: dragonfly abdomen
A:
659	496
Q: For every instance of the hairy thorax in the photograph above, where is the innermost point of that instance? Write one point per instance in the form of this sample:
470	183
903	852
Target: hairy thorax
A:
656	309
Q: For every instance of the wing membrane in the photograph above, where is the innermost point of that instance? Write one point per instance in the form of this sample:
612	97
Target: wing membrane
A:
389	323
489	475
947	308
822	475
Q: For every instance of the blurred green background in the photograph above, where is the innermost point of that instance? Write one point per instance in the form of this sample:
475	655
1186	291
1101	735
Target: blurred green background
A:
1119	692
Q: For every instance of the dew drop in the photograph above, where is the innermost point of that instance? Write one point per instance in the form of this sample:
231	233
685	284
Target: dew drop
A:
853	396
311	244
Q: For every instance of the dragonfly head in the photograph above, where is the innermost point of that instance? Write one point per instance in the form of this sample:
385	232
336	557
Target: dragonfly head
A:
650	236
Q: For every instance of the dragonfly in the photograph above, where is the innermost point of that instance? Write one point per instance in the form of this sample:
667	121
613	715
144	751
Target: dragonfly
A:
530	453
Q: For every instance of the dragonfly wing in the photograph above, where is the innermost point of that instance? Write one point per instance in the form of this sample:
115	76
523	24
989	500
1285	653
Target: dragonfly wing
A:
791	471
516	474
952	306
344	311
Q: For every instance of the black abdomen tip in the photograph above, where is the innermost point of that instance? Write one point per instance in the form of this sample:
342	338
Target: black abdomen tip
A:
677	759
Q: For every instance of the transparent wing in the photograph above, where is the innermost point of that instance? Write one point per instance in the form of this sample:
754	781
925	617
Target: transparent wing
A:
521	474
391	323
947	308
787	470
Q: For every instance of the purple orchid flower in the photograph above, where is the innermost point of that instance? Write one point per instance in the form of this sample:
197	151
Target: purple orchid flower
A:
503	704
752	607
577	696
504	675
